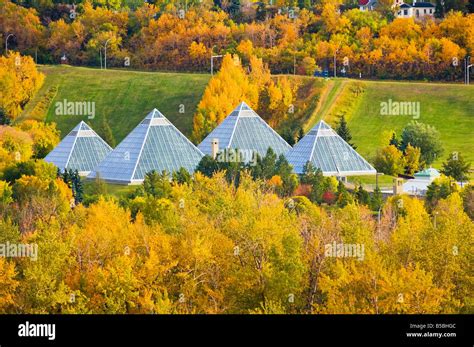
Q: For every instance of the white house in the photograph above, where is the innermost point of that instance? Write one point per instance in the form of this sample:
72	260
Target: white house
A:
416	10
403	10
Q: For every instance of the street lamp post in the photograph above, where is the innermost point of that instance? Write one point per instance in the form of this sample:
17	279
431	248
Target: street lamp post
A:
6	43
212	62
105	54
467	72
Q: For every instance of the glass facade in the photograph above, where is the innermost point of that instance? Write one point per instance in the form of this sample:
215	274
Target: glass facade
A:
326	150
82	150
155	144
246	130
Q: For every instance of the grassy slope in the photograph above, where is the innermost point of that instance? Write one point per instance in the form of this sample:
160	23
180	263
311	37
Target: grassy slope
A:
124	97
450	108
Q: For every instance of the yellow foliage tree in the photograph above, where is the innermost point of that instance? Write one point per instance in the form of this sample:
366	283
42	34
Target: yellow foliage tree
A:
230	86
19	81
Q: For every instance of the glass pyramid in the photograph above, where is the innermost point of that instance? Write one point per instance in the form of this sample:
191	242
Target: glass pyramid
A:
155	144
245	130
326	150
82	149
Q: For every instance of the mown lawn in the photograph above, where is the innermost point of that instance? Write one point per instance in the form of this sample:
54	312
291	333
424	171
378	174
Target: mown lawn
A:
124	97
450	108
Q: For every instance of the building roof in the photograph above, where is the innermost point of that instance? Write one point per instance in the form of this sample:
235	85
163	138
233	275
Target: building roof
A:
82	149
155	144
245	130
427	174
363	2
326	150
423	4
417	5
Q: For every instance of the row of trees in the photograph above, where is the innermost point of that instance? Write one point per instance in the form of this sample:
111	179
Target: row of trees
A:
166	36
207	246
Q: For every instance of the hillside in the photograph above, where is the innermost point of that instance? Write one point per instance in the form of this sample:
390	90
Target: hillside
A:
123	97
448	107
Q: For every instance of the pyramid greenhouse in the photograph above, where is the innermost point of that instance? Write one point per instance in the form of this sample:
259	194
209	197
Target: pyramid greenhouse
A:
82	149
155	144
326	150
245	130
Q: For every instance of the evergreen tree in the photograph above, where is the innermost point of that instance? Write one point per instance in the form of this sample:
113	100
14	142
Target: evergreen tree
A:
265	167
376	200
157	185
343	196
456	167
77	187
73	180
362	195
182	176
344	132
285	171
394	141
207	166
288	136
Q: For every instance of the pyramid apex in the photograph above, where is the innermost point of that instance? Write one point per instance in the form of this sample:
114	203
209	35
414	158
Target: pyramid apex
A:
155	113
321	125
243	106
80	126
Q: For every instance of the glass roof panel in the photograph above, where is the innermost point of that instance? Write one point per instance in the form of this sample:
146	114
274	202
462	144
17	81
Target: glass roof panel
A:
329	152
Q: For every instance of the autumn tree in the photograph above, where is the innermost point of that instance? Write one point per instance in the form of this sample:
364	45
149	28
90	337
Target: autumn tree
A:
389	160
19	81
225	91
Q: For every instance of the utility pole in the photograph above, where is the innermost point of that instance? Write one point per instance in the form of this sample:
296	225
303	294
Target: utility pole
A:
100	54
335	69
